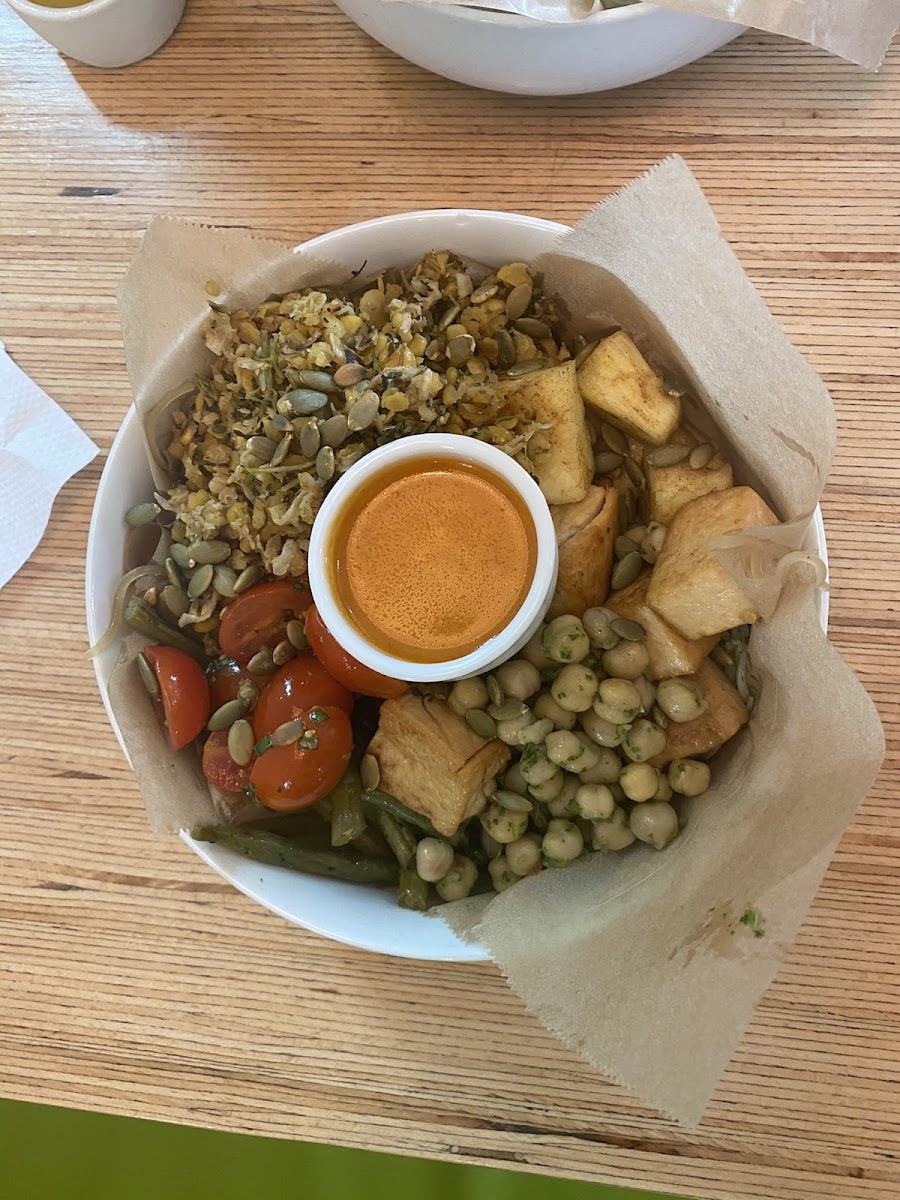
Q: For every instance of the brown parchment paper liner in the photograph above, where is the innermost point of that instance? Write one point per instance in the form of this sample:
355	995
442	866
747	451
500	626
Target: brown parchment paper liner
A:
858	30
636	961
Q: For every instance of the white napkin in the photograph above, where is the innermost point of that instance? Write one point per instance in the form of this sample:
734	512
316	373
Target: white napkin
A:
40	448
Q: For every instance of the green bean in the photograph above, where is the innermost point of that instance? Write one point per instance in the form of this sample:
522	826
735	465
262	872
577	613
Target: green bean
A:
398	837
347	817
385	803
372	843
412	891
140	616
263	846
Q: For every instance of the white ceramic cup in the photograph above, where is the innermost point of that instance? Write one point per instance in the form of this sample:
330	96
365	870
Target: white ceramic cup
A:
104	33
525	623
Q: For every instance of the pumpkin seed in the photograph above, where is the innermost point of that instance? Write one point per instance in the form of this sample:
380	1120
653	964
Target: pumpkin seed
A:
512	801
148	677
282	450
539	330
174	601
246	579
289	732
606	461
525	367
369	772
296	634
261	447
310	439
282	652
349	374
261	663
702	455
305	401
585	353
506	349
449	317
248	692
240	742
172	573
614	438
226	715
659	717
495	691
624	545
325	463
627	570
518	300
509	710
481	723
667	456
319	381
486	291
363	412
200	581
181	555
460	349
142	514
634	472
631	631
209	552
334	431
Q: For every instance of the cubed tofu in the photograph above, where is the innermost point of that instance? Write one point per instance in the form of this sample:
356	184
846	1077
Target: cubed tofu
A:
432	761
726	713
670	653
689	588
669	489
586	533
619	384
562	457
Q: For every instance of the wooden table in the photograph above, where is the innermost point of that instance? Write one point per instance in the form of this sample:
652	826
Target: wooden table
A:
131	979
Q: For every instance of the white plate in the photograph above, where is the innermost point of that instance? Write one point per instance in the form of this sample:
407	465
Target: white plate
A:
363	917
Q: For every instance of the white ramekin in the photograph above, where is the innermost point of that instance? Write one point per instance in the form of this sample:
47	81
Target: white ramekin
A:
104	33
495	650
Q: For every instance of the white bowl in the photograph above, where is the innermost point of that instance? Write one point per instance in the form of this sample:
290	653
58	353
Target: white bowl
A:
104	33
358	916
497	649
508	53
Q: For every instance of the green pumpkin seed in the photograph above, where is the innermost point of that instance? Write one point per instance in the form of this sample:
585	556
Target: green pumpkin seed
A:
276	426
667	456
209	552
305	401
481	723
240	742
606	461
448	317
350	374
148	677
369	773
142	514
495	691
518	300
334	431
624	545
460	349
289	732
631	631
174	601
318	381
325	463
261	447
614	438
310	440
512	801
261	663
525	367
627	570
531	327
226	715
702	455
172	573
181	555
509	710
363	412
282	653
585	353
282	450
200	581
506	349
634	472
296	635
246	579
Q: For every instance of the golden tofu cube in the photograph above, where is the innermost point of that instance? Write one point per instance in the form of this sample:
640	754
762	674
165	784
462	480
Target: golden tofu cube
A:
669	489
586	533
432	761
725	714
562	457
689	588
670	653
619	384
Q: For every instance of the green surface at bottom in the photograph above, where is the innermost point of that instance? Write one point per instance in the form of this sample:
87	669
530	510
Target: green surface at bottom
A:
59	1154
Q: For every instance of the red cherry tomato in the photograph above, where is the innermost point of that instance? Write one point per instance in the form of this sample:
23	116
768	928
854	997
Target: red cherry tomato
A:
295	688
344	667
185	693
258	617
288	778
224	680
220	768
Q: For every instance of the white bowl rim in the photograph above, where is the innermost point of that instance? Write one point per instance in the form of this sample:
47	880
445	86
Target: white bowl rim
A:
464	12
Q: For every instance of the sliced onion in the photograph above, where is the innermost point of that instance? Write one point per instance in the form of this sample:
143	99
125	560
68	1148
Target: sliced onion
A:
119	601
802	558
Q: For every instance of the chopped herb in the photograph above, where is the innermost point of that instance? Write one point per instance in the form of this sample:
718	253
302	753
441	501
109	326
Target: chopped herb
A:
249	792
262	745
218	664
318	716
753	919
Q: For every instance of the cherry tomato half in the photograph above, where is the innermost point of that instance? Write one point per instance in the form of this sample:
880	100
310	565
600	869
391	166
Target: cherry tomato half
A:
258	617
225	677
185	693
295	688
344	667
288	778
220	768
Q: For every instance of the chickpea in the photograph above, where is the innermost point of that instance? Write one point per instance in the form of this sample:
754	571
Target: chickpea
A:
535	766
618	793
647	692
628	660
502	824
466	694
565	640
680	699
606	769
613	833
490	845
518	678
574	688
501	875
535	732
434	858
654	823
533	651
639	781
560	806
509	731
597	624
523	856
652	542
549	789
562	747
562	843
617	701
599	730
663	788
588	758
644	740
546	708
688	776
514	781
594	801
459	880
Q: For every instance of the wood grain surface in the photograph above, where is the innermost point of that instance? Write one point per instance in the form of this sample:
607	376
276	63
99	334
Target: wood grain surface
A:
131	979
